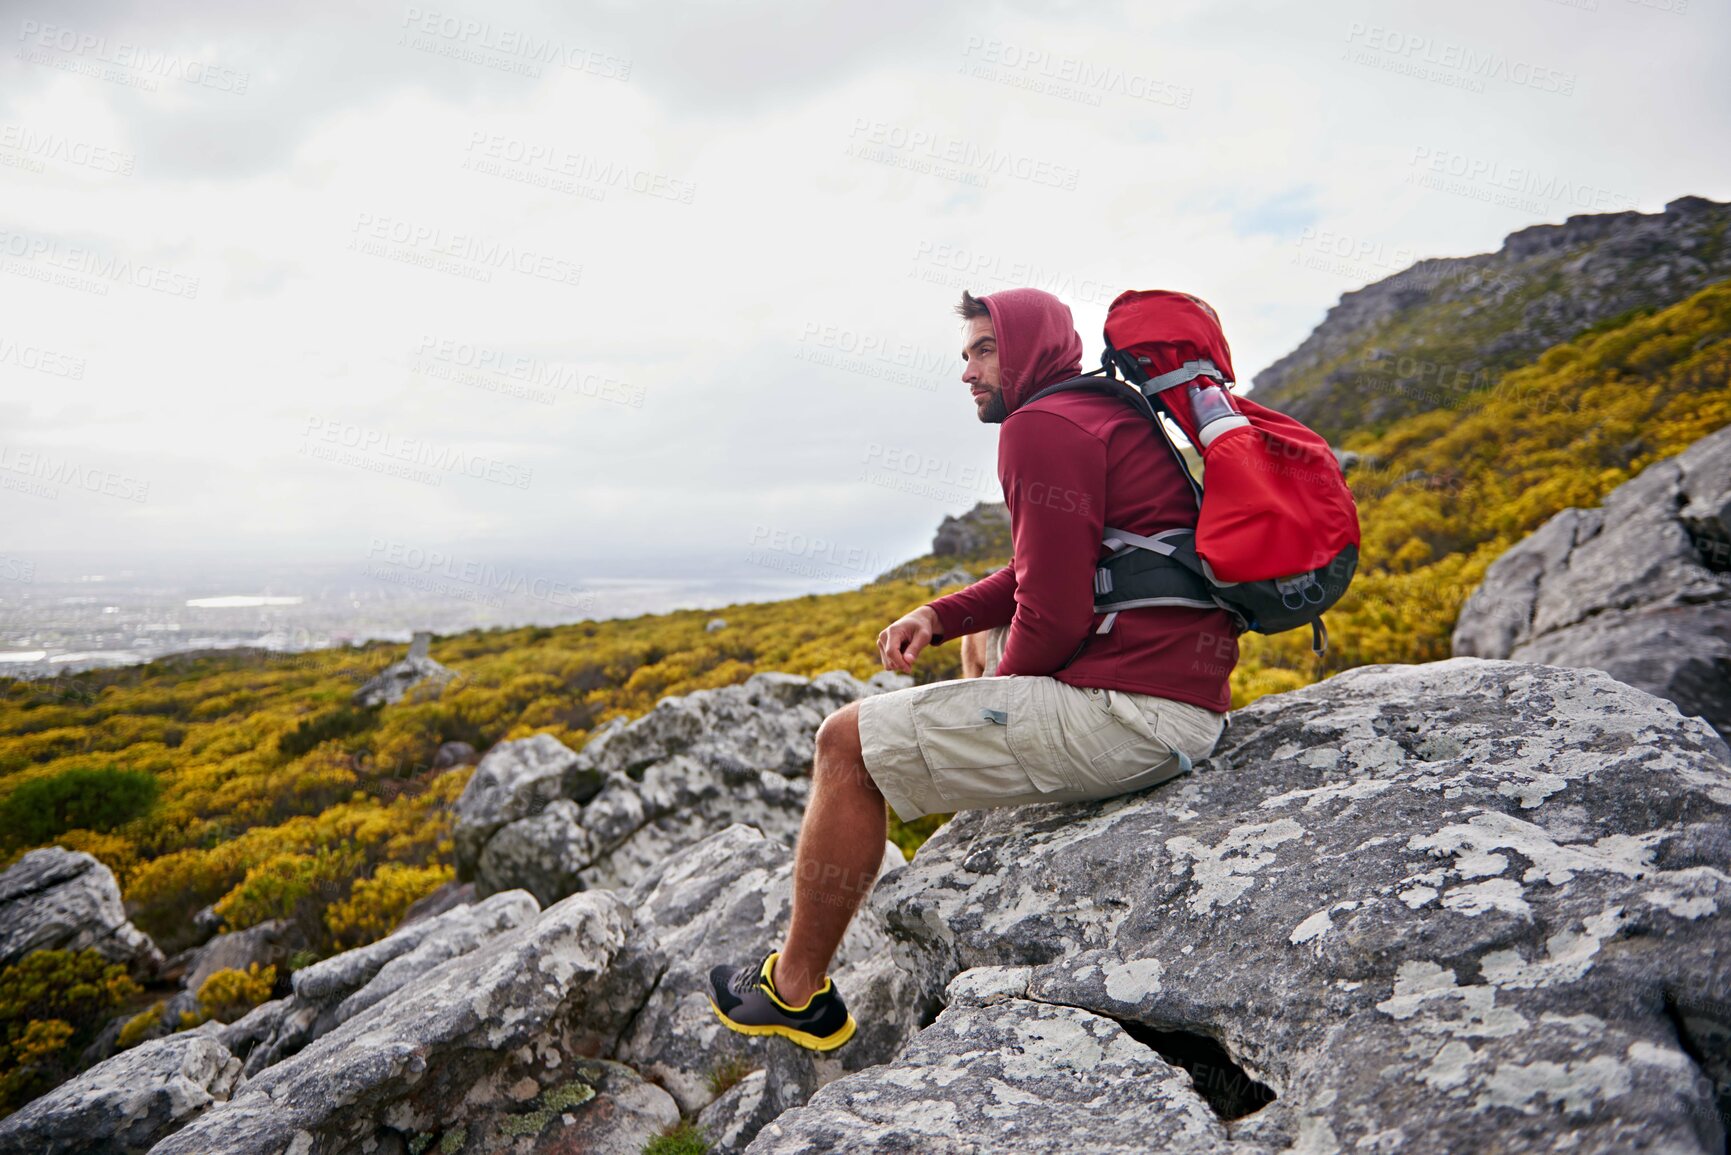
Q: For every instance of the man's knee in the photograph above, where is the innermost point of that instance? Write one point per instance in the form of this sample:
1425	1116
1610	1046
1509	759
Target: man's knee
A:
838	749
838	735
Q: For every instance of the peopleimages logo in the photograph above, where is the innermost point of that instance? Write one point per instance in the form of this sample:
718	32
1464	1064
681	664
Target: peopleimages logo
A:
467	579
1070	77
34	147
49	259
476	255
462	37
347	443
1458	65
556	163
535	374
895	143
89	47
37	472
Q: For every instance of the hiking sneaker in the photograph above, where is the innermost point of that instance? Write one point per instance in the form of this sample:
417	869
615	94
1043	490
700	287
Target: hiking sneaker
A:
744	998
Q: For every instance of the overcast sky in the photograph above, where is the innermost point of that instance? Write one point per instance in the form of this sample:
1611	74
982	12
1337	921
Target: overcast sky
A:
614	284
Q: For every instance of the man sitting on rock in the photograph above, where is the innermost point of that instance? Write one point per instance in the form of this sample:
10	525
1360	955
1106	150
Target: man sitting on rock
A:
1047	710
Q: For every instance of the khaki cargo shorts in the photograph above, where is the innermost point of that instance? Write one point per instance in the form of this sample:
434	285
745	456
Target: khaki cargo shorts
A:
968	743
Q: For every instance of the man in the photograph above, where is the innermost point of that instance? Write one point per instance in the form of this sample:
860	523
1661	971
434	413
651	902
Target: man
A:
1048	710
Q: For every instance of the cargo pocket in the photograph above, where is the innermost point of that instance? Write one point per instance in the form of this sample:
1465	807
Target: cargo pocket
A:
984	748
1139	751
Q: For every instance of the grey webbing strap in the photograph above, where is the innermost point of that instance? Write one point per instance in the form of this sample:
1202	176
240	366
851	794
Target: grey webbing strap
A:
1106	626
1113	538
1188	371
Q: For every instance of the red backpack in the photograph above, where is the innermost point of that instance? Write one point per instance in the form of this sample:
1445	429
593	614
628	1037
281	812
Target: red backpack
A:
1276	537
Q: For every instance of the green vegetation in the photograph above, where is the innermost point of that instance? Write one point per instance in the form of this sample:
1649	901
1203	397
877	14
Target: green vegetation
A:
42	809
52	1004
727	1073
681	1139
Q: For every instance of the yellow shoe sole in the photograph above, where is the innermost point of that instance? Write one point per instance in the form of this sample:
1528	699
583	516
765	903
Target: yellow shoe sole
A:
803	1038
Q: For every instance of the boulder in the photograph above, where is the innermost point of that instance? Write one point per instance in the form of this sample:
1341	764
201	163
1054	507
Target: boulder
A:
58	899
331	991
1639	587
388	686
1016	1075
268	943
539	816
1470	905
514	781
484	1052
452	754
123	1106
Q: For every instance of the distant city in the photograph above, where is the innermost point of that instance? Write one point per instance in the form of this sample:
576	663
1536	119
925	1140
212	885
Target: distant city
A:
63	619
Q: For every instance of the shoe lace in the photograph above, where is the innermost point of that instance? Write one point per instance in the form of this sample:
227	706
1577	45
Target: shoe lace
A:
747	979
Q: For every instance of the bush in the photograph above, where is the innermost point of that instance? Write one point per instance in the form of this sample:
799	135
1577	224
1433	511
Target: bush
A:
52	1004
42	809
340	723
375	905
229	993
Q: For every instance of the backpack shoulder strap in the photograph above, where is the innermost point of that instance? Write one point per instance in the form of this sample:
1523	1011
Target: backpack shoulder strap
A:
1102	381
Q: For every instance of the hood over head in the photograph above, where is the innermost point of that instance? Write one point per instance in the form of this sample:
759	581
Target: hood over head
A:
1037	342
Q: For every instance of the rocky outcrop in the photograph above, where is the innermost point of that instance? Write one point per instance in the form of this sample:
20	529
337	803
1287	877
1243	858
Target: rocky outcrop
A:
58	899
1467	905
1639	587
540	816
1011	1075
580	1027
1422	338
331	991
982	529
129	1102
389	685
486	1050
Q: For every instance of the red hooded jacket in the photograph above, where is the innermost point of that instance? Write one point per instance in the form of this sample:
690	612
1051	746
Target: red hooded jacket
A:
1071	464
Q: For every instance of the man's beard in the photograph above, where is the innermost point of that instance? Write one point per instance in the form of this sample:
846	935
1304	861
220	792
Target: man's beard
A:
995	410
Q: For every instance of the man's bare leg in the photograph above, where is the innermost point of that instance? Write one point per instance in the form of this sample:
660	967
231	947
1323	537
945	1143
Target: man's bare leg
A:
974	655
841	847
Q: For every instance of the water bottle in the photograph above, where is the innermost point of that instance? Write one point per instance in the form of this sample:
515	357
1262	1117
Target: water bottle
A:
1212	410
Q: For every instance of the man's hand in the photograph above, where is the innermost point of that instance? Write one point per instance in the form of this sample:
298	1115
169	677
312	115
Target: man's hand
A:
903	639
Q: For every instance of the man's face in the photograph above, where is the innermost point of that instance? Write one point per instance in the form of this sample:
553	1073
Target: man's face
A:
980	369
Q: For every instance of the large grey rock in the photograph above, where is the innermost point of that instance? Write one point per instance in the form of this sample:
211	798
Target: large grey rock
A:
332	990
1467	905
466	1056
58	899
516	780
269	943
1015	1075
541	817
127	1103
1639	587
388	686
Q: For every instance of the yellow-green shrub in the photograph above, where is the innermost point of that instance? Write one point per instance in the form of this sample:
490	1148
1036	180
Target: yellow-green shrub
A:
375	905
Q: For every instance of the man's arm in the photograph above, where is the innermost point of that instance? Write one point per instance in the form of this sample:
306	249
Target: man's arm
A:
1054	476
988	603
